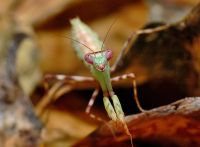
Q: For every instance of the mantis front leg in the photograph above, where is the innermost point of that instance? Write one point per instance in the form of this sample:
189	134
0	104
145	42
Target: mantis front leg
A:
116	113
108	106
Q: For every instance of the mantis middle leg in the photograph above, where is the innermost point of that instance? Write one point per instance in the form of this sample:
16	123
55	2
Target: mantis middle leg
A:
130	76
64	85
127	43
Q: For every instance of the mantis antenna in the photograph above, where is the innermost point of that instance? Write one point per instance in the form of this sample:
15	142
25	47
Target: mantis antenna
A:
78	42
104	40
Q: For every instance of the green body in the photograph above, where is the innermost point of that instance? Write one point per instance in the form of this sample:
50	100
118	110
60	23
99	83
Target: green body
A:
84	35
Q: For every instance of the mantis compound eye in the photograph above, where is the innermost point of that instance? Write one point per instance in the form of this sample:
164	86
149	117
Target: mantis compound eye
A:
109	54
88	58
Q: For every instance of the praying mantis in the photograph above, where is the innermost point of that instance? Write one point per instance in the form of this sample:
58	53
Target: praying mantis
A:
90	49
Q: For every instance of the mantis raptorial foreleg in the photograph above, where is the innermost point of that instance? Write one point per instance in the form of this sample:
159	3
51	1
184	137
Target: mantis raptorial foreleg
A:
90	104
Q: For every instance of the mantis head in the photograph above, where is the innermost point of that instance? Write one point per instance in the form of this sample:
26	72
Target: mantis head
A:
99	59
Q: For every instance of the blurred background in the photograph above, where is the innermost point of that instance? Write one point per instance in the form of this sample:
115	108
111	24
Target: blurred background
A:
47	22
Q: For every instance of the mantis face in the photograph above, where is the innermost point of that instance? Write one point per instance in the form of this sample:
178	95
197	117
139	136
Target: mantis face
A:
99	59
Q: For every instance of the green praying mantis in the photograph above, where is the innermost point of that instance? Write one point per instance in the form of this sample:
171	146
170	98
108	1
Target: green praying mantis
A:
97	58
90	49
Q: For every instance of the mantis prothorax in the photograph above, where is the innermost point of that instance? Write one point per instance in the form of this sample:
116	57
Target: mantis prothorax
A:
90	49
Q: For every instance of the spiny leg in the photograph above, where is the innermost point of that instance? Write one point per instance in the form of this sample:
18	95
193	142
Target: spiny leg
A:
116	113
128	41
88	110
120	115
109	109
130	76
107	106
111	113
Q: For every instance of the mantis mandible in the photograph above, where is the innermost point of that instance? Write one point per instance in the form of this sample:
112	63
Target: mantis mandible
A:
90	49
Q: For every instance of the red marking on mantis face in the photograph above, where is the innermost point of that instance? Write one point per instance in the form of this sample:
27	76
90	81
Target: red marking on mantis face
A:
99	59
101	67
